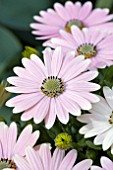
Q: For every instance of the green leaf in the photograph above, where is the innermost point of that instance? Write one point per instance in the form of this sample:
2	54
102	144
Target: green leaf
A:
91	145
9	48
5	114
104	4
19	14
106	76
4	95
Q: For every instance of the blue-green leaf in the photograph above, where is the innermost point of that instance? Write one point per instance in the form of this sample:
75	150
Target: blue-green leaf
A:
9	48
18	14
104	4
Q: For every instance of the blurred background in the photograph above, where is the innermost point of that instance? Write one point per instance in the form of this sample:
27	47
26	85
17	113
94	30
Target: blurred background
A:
15	33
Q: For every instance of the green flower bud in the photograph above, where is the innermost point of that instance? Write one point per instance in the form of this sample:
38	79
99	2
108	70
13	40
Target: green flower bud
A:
63	141
28	51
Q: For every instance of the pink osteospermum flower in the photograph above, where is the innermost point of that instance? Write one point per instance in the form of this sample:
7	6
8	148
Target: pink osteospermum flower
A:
63	17
43	160
94	45
58	86
100	121
10	145
106	164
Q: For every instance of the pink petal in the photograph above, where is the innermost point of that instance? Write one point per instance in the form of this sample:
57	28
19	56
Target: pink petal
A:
106	163
77	7
21	162
22	82
47	60
69	160
93	98
33	68
77	35
61	11
51	116
85	10
45	155
57	60
83	165
86	76
63	43
69	105
81	102
70	63
75	71
57	159
12	136
82	86
4	139
22	72
23	104
40	111
34	159
62	114
29	140
69	6
13	89
98	16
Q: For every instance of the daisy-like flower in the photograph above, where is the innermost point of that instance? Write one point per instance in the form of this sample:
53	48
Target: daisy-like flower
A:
10	145
43	160
94	45
63	17
106	164
100	121
54	88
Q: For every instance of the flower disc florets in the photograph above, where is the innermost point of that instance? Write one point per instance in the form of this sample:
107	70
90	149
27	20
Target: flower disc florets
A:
52	86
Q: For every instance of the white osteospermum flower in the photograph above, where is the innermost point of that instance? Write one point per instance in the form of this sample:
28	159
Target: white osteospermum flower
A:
100	121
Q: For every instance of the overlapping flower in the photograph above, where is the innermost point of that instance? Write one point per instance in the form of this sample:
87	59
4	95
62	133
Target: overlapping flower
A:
106	164
100	121
43	160
63	17
82	39
53	89
10	145
95	45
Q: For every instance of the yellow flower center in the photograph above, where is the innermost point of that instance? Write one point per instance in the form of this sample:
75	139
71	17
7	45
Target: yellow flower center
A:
6	163
52	86
75	22
88	50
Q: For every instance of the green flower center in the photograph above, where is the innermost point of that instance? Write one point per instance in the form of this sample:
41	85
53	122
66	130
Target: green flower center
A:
6	163
111	118
88	50
52	86
75	22
63	141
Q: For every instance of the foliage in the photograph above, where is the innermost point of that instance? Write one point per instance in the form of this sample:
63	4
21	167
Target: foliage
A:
15	33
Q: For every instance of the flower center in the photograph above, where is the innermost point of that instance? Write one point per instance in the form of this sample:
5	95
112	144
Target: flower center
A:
88	50
52	86
111	118
63	141
75	22
6	163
